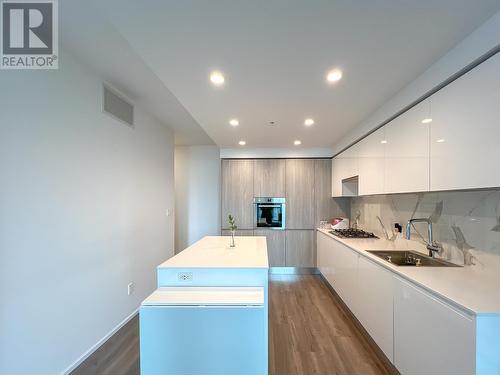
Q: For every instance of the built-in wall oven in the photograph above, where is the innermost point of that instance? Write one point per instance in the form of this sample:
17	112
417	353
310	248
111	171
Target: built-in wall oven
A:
269	212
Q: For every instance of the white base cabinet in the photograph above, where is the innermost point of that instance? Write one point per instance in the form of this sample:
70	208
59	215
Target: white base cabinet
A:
375	300
431	337
344	271
325	257
418	332
338	264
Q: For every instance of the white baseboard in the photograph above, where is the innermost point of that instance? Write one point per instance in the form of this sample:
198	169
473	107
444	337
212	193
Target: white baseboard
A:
96	346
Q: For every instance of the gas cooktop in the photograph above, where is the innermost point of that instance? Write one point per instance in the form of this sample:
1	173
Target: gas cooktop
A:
352	233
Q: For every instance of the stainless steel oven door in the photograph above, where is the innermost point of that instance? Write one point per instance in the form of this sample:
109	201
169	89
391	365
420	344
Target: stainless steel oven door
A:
270	212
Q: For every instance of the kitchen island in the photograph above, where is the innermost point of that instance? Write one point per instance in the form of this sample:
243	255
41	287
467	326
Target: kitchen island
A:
209	314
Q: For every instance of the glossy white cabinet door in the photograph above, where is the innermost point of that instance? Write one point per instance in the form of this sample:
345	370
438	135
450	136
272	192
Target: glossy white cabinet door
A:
465	131
324	257
350	158
337	177
430	337
407	152
375	304
371	163
344	268
344	166
339	265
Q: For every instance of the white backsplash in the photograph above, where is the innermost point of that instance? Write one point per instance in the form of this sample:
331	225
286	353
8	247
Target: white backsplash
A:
473	213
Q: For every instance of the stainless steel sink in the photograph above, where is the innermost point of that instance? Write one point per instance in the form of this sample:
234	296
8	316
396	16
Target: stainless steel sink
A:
411	258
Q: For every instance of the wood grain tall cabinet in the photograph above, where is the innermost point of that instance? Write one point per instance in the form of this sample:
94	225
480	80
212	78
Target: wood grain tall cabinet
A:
269	181
275	245
300	251
305	183
269	178
299	186
300	205
237	192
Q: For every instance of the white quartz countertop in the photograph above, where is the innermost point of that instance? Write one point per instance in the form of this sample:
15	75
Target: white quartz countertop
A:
215	252
206	296
471	288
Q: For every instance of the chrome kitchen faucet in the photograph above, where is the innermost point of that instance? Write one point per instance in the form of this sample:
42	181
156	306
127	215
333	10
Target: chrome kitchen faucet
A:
432	245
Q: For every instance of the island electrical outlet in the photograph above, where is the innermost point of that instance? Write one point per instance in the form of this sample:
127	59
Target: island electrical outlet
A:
185	276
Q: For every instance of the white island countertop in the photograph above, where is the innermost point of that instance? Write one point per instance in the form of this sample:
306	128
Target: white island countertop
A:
475	289
215	252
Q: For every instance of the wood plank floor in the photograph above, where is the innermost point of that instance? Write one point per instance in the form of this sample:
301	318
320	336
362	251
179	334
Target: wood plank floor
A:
308	334
117	356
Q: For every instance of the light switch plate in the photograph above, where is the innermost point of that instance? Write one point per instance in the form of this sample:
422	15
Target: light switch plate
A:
130	288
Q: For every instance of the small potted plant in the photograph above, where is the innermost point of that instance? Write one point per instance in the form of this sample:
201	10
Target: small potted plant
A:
232	228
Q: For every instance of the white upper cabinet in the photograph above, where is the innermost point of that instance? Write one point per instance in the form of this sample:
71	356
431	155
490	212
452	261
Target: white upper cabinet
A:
465	130
336	177
350	162
407	151
395	158
371	163
447	142
344	166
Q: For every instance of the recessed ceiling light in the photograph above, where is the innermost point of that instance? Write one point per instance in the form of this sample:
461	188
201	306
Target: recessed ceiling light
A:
217	78
426	120
272	122
234	122
441	140
334	75
383	141
309	122
297	142
242	143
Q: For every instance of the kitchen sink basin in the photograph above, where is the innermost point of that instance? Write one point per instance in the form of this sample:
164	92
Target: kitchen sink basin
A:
411	258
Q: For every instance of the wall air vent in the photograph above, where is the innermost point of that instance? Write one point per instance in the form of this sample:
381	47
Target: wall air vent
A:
116	105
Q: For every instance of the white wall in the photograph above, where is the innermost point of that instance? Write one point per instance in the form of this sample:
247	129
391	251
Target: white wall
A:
82	214
197	194
483	39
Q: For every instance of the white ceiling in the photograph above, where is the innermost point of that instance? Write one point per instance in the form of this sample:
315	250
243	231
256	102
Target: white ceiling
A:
87	34
275	55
